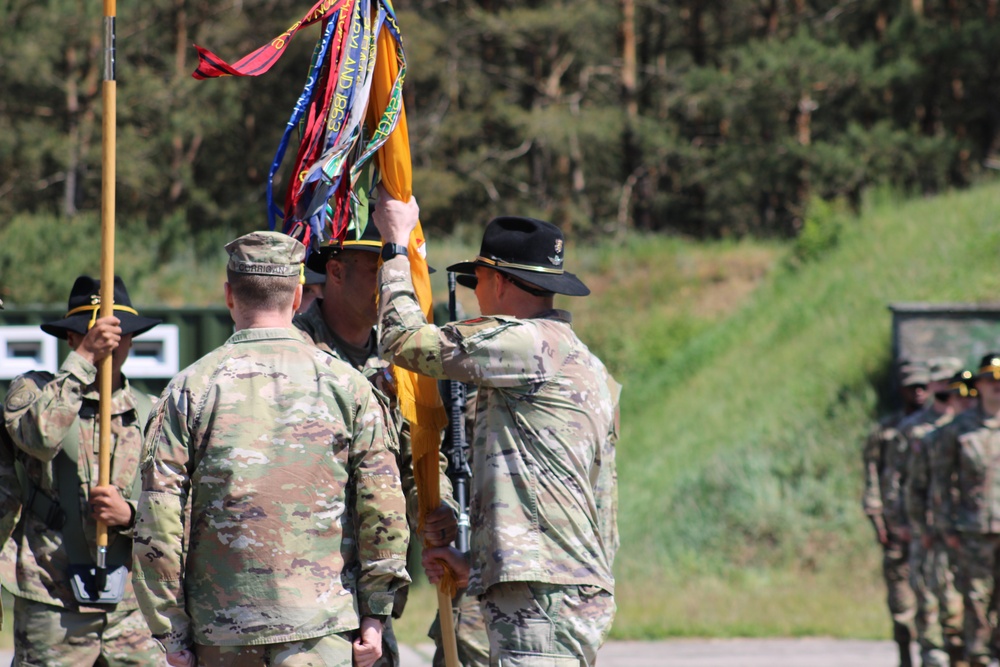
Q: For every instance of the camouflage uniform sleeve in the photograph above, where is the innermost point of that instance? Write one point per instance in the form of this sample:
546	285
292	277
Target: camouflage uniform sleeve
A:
918	485
158	550
10	489
380	509
486	351
606	487
40	409
871	499
942	473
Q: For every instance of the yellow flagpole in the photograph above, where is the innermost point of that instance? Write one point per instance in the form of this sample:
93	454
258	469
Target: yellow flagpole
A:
108	136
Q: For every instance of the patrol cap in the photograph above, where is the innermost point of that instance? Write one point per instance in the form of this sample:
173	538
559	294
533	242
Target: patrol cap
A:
990	365
942	368
912	373
266	254
963	383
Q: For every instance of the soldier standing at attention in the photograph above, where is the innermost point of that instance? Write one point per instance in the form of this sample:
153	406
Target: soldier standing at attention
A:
884	456
544	496
297	526
924	503
968	478
54	427
342	322
928	556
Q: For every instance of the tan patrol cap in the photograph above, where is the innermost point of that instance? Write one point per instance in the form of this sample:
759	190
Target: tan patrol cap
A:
266	254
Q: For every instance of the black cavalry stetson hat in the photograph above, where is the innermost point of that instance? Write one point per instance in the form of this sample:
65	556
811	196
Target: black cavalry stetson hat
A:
990	365
370	241
528	249
84	307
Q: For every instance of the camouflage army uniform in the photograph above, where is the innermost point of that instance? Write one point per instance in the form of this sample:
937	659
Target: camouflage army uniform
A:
544	497
10	493
297	520
884	455
51	627
368	363
939	605
969	450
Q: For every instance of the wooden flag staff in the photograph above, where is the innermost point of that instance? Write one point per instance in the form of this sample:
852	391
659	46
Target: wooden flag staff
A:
109	99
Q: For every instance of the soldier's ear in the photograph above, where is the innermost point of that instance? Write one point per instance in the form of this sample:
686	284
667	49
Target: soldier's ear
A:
335	270
228	289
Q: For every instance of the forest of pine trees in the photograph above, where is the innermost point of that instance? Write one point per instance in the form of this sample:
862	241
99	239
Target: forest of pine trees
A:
710	118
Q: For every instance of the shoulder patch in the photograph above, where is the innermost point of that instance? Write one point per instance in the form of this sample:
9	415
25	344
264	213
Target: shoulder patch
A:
21	397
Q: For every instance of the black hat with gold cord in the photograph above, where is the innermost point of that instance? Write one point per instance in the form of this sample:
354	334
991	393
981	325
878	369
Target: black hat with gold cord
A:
527	249
85	305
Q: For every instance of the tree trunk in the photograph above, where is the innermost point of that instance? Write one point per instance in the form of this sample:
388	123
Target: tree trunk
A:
73	134
631	153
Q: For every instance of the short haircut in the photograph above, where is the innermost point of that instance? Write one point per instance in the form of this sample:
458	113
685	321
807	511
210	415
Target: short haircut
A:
266	293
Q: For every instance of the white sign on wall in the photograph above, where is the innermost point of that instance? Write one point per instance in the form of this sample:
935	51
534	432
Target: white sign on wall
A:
155	354
26	348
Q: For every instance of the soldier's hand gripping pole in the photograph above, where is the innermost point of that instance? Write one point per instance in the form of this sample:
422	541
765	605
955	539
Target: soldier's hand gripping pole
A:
109	99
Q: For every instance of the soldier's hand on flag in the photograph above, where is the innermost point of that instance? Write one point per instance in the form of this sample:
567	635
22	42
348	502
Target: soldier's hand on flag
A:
368	645
395	219
436	559
109	507
102	339
440	527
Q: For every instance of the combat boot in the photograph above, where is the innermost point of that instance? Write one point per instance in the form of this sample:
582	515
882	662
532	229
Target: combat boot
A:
901	635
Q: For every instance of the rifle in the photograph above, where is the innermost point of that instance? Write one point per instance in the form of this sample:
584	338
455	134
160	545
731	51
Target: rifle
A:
458	462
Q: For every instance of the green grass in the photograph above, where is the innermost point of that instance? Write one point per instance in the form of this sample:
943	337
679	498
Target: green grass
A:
739	459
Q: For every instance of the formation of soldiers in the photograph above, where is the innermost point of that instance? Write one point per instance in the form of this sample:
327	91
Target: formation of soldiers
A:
260	510
932	493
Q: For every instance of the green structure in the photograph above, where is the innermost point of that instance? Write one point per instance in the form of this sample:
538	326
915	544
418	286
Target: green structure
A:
963	330
185	336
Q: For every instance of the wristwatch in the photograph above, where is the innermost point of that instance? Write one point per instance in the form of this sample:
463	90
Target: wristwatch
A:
390	250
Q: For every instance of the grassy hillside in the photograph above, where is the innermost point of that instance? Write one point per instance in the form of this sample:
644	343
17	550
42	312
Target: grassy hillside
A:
739	463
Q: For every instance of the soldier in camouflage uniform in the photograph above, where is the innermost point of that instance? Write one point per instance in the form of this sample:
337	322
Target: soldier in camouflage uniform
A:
297	527
342	323
966	483
883	456
52	421
544	495
928	556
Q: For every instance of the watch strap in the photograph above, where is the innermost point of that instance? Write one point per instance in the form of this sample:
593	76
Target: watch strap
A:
390	250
